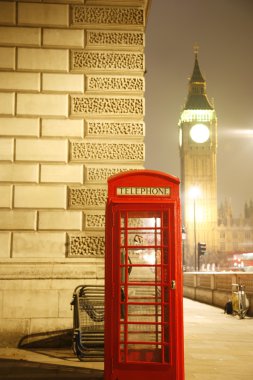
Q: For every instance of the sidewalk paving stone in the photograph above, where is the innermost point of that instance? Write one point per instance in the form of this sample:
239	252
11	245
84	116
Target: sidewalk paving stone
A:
217	347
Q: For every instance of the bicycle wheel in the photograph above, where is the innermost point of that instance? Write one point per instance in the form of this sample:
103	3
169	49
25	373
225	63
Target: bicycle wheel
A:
243	314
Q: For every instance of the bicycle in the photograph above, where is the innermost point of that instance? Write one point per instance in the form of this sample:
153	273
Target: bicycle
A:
240	302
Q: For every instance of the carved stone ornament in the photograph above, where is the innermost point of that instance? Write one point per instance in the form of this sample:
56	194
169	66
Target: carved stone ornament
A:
114	38
86	245
86	197
101	174
83	105
115	83
114	128
87	151
82	60
83	15
94	220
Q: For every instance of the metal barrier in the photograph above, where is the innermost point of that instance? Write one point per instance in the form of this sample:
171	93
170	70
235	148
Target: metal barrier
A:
88	322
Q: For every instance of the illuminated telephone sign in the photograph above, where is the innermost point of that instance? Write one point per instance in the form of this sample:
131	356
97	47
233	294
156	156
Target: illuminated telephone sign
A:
154	191
143	278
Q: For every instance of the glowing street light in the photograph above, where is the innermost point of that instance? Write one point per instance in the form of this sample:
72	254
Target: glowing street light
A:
194	193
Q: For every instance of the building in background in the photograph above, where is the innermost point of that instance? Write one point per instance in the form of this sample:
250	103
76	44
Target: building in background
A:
235	237
228	240
198	155
71	115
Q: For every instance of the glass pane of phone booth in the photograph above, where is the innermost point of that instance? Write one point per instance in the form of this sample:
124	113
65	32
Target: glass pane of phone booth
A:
144	334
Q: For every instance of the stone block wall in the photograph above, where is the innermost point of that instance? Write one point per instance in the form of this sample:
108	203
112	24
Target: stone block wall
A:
71	115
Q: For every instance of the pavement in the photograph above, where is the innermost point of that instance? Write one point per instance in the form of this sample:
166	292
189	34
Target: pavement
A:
217	347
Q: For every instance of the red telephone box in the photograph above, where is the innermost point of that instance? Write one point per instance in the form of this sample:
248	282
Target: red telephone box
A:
143	278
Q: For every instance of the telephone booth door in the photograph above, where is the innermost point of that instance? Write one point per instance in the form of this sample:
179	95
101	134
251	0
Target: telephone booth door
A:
143	311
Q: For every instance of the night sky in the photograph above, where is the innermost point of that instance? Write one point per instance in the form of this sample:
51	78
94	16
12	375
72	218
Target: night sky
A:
223	30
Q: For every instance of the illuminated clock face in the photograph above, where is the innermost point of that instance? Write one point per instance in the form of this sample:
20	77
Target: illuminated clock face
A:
199	133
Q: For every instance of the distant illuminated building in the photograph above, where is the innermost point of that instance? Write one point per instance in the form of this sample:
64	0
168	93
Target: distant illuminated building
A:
235	235
226	237
198	149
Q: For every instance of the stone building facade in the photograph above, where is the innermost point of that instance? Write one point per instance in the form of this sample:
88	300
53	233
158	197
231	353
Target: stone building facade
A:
235	234
71	114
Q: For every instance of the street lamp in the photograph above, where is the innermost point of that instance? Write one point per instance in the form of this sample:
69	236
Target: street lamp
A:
194	193
183	241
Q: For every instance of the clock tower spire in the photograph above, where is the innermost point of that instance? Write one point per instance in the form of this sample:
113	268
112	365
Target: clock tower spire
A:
197	98
198	151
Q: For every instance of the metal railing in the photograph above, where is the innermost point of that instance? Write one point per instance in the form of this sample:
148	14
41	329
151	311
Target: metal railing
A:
215	288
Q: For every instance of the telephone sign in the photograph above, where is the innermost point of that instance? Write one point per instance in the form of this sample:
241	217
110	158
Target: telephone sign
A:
143	278
156	191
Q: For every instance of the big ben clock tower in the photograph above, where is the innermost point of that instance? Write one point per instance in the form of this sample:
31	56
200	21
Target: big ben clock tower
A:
198	148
